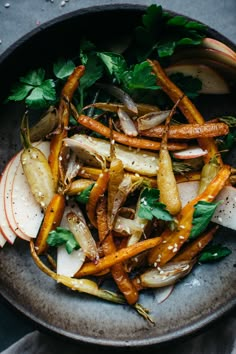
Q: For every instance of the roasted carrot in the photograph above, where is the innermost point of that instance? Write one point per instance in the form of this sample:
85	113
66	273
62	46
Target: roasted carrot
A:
188	109
173	240
117	257
56	144
196	246
100	128
52	219
169	194
188	131
118	272
97	191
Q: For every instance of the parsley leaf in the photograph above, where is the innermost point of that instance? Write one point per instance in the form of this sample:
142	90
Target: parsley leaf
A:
84	195
41	96
202	215
141	77
214	253
115	63
150	206
61	236
63	68
164	33
37	92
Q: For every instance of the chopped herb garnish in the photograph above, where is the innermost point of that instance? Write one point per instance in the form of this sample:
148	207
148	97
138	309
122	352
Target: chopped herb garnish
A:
61	236
151	207
214	253
203	213
84	195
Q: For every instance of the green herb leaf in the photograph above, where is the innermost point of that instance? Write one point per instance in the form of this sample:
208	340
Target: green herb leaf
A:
42	95
140	78
203	213
63	68
61	236
37	92
84	195
19	92
115	63
150	206
214	253
33	77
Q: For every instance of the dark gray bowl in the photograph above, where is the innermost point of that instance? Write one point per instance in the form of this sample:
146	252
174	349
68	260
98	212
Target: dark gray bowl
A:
205	295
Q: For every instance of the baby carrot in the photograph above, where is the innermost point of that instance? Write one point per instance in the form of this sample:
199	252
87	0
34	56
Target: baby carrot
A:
117	257
188	109
100	128
169	194
118	272
196	246
188	131
64	114
97	191
52	219
173	240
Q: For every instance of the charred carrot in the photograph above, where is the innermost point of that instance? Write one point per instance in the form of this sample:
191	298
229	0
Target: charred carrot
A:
100	128
173	240
196	246
188	131
97	191
188	109
64	114
118	272
117	257
52	219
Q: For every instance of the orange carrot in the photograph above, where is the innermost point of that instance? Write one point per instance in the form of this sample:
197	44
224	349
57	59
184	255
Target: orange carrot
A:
196	246
173	240
64	114
97	191
100	128
117	257
118	272
188	109
188	131
52	219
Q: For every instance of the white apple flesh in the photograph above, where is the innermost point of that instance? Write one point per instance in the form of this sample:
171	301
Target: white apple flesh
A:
190	153
212	82
225	211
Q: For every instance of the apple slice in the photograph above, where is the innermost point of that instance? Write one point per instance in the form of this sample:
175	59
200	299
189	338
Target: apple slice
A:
26	211
6	231
212	43
8	207
212	82
225	212
190	153
69	264
2	240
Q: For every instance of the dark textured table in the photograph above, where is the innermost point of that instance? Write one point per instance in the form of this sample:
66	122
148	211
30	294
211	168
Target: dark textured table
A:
17	18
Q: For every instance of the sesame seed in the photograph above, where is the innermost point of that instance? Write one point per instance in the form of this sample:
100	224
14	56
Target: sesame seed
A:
181	237
175	249
220	219
170	247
